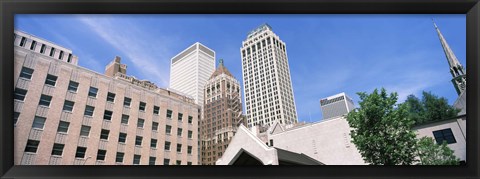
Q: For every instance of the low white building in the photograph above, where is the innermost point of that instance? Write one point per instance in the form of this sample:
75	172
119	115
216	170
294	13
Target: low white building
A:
327	142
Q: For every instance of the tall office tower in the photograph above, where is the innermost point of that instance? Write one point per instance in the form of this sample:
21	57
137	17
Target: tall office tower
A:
459	75
65	114
266	79
190	70
222	114
336	105
43	47
115	67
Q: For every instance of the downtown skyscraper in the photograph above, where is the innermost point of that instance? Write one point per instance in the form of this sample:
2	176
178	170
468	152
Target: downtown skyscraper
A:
266	79
191	69
222	114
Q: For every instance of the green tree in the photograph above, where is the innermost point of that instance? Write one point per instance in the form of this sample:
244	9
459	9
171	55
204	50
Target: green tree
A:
431	153
382	130
430	108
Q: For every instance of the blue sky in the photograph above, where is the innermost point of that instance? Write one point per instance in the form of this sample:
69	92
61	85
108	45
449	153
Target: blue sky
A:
327	54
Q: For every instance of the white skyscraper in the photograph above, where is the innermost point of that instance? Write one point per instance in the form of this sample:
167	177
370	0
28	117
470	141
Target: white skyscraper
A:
190	70
266	79
336	105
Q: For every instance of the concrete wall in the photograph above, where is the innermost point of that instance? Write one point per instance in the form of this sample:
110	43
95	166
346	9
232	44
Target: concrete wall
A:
458	127
327	141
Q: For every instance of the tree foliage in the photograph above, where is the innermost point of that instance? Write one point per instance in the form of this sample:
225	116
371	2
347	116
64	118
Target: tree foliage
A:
430	108
382	130
431	153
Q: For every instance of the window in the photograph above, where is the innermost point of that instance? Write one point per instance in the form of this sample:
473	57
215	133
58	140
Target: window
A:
180	116
104	134
179	132
166	161
60	56
142	106
190	134
127	101
153	143
151	161
179	162
167	145
68	105
140	123
156	110
26	73
52	52
107	115
80	152
63	126
45	100
138	140
33	45
444	135
20	94
111	97
136	159
42	49
32	146
92	92
190	119
51	80
125	119
101	154
85	131
72	86
122	137
89	111
119	157
271	142
22	42
38	122
169	113
168	129
179	147
57	149
154	126
15	117
69	59
189	149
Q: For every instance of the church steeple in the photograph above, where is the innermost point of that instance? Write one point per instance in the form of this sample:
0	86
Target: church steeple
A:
459	79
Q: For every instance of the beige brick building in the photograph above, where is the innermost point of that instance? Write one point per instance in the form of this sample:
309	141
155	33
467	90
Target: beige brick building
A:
68	115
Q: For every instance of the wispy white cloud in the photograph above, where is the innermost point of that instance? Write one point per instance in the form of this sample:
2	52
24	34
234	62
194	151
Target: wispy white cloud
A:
146	54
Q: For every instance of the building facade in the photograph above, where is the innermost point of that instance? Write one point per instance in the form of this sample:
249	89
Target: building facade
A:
266	79
190	70
44	47
68	115
222	114
336	105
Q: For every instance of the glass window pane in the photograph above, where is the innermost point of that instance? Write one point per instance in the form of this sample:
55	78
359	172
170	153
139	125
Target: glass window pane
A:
63	126
38	122
92	92
20	94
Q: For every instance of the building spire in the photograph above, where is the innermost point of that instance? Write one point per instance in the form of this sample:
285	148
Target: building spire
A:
456	69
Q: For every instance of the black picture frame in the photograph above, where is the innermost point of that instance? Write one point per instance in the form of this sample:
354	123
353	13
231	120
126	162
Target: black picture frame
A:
8	8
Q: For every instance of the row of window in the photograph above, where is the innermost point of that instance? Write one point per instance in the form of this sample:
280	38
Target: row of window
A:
43	48
73	87
32	146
